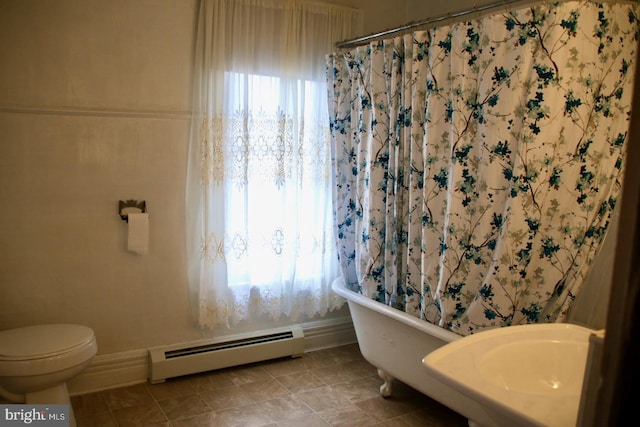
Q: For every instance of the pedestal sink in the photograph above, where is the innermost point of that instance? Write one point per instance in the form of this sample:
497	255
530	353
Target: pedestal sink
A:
525	375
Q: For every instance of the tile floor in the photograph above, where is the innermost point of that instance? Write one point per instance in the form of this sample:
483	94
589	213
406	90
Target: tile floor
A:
332	387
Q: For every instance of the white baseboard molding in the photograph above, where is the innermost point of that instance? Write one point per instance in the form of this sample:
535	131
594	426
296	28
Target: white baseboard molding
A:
132	367
110	371
328	333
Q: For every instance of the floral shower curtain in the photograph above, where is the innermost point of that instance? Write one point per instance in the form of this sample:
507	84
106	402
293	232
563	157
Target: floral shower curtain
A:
477	165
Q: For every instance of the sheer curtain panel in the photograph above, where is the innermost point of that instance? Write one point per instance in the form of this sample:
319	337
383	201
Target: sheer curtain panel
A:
258	204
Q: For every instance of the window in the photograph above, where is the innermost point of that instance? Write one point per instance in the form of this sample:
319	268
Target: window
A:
260	235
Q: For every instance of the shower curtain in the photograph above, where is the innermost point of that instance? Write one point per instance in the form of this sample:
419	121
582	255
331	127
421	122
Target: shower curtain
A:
477	165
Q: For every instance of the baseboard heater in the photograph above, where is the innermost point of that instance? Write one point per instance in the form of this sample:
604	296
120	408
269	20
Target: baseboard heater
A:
207	355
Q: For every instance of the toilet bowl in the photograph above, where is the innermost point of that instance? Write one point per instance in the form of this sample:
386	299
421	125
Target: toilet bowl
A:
37	361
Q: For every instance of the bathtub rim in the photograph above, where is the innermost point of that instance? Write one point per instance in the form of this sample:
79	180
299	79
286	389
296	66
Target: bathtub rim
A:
445	335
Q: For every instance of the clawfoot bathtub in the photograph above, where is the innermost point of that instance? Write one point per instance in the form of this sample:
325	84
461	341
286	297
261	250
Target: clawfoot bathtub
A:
396	342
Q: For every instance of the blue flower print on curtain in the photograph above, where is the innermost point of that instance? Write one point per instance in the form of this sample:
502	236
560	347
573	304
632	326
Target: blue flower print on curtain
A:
477	165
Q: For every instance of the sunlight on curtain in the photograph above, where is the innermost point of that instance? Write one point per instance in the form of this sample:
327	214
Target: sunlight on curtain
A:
259	213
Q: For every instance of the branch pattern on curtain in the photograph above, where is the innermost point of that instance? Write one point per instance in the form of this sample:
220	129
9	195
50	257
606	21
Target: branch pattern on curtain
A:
477	164
260	244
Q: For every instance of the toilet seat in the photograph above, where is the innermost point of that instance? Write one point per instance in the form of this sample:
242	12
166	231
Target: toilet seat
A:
34	350
42	341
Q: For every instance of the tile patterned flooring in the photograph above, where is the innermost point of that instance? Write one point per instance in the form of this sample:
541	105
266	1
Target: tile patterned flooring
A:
331	387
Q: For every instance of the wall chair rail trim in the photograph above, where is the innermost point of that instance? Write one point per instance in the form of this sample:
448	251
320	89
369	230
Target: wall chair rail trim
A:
80	111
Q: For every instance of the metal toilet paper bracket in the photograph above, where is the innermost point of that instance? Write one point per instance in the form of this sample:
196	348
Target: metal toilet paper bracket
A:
131	206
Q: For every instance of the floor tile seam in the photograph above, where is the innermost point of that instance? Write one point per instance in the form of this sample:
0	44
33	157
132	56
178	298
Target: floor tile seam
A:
246	385
114	410
321	417
403	406
188	416
171	420
301	391
276	377
253	402
167	418
345	394
113	415
218	413
110	405
335	365
298	398
374	420
177	397
311	411
249	395
162	411
288	374
157	401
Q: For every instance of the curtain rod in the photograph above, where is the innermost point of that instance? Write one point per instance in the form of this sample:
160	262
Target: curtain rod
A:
412	25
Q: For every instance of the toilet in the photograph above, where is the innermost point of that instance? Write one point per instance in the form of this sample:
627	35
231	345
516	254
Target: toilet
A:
37	361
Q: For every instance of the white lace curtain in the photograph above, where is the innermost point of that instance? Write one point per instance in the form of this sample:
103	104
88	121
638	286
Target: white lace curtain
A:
259	216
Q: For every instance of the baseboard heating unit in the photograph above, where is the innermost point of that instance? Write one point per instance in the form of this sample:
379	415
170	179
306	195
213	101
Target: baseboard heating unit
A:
207	355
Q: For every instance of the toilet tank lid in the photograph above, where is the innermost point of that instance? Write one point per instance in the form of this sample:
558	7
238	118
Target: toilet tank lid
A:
42	340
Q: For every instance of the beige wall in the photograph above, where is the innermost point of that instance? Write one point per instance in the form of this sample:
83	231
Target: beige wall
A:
94	98
94	101
380	15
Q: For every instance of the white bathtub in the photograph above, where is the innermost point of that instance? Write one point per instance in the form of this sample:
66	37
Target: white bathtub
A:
396	342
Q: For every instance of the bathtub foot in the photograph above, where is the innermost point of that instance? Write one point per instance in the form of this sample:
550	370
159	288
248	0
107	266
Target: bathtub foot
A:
386	388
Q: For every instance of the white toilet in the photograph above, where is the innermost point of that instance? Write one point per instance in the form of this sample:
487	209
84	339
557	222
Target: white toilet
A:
37	361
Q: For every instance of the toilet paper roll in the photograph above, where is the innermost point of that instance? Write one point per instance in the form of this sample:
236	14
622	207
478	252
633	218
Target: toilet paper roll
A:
138	233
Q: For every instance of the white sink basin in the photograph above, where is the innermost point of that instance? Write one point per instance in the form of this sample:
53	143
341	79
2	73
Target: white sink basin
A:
529	375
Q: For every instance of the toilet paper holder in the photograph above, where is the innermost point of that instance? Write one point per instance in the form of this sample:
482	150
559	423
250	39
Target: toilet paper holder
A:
125	207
